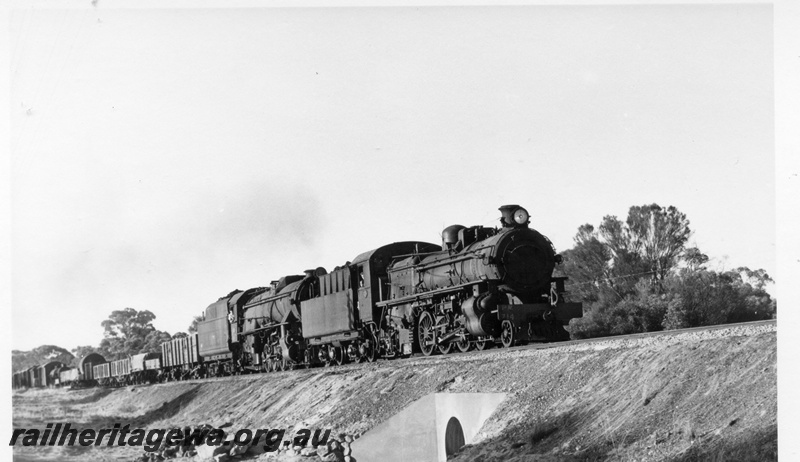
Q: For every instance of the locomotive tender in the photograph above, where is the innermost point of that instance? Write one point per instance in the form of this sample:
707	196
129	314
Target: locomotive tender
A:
483	286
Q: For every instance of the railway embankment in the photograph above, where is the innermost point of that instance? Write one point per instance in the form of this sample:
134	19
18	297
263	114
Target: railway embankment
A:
707	395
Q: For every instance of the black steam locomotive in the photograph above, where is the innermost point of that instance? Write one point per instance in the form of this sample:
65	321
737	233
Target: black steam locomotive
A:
481	287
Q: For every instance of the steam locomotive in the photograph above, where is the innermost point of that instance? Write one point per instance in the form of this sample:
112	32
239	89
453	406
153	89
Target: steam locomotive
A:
482	287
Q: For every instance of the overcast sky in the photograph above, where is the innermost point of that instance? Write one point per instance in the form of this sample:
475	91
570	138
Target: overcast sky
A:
163	157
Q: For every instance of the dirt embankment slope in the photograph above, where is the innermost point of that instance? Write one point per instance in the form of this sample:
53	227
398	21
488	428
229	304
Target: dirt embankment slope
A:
696	396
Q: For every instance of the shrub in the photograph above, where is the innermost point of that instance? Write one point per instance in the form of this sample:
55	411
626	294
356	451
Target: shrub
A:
690	298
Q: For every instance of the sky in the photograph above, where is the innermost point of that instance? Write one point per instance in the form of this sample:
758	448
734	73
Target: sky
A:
161	158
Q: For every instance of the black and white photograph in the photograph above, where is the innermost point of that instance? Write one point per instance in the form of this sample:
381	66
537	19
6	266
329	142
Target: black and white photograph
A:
356	232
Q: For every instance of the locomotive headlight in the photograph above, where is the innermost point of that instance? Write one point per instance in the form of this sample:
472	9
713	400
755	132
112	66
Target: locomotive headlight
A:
521	216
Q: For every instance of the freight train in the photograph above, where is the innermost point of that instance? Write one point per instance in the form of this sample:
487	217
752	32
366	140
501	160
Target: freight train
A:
483	286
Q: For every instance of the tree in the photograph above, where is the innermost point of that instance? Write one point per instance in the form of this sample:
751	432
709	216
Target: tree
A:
614	236
21	360
126	332
586	264
658	236
193	326
603	261
153	341
694	258
641	310
650	242
81	352
707	297
757	279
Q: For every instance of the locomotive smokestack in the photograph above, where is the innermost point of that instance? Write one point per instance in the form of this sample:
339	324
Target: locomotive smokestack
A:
514	216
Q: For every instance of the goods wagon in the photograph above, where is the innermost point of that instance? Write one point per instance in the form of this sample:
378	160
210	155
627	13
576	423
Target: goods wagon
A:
180	357
86	367
140	372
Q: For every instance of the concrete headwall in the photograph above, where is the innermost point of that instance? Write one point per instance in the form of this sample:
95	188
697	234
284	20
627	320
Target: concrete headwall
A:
417	433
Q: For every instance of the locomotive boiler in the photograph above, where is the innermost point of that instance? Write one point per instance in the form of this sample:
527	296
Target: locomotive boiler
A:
269	322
